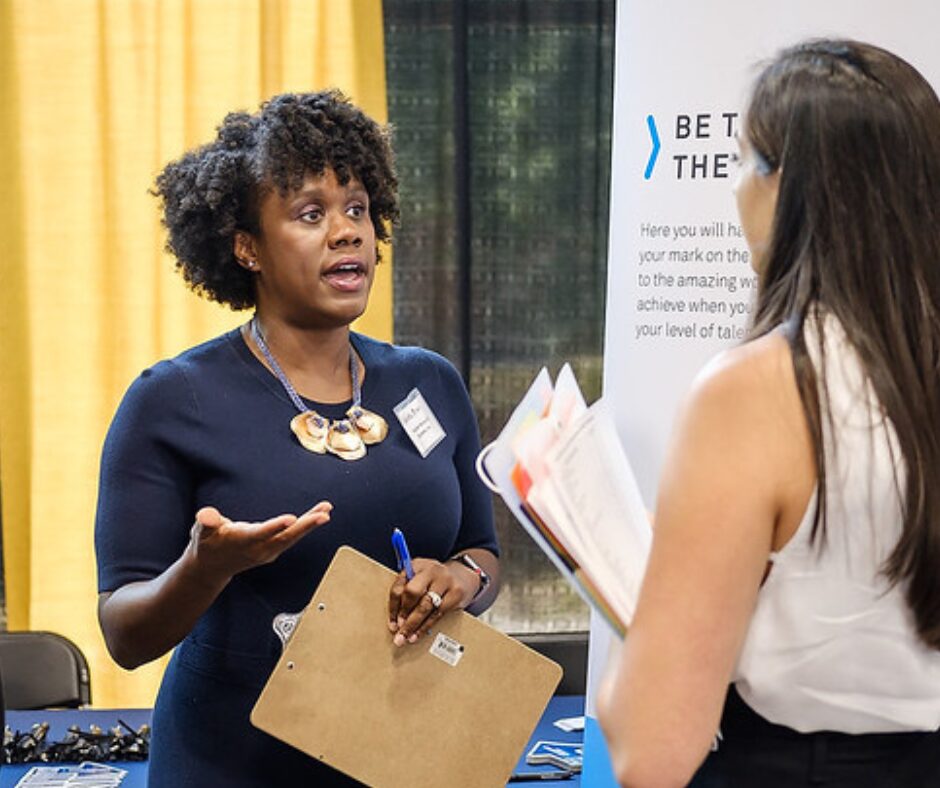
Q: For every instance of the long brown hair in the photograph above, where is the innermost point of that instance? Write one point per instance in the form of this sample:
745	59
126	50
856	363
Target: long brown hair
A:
855	133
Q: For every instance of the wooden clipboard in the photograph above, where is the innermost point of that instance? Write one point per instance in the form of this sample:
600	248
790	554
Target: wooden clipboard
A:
455	709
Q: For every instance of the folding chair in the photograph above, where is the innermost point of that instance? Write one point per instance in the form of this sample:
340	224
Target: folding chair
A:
41	670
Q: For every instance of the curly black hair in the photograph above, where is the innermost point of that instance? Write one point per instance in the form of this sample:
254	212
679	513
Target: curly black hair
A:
213	191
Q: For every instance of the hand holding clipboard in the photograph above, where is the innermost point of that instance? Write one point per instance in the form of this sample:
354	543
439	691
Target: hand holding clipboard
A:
343	693
424	592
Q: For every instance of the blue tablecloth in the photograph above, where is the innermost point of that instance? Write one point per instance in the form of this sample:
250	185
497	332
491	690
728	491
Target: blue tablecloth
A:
559	707
59	721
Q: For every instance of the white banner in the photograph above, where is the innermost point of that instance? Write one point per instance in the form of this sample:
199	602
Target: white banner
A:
679	280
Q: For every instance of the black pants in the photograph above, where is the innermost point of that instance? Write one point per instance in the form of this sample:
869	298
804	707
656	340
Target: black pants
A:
755	752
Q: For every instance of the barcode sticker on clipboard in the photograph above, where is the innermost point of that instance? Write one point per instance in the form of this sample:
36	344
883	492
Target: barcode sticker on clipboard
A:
446	649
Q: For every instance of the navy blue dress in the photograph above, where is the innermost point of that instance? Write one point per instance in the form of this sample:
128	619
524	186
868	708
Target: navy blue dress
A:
211	427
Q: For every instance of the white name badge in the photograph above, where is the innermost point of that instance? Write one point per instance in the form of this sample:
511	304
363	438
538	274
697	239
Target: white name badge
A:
419	422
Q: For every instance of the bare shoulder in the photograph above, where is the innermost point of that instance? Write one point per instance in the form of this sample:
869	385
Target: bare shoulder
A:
761	367
749	390
744	416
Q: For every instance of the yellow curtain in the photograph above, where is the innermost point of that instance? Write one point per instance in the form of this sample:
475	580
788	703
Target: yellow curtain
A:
96	96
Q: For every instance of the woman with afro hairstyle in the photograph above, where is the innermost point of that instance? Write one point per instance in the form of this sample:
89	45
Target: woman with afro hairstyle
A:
232	473
796	554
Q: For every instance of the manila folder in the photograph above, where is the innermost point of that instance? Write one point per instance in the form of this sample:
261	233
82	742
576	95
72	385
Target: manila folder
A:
456	708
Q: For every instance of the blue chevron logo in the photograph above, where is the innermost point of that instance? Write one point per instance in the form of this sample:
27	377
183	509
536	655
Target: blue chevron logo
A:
654	135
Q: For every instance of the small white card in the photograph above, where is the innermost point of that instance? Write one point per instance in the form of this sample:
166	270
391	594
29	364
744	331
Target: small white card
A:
419	422
570	724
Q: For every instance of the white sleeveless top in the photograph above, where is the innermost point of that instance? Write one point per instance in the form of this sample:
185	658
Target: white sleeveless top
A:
830	645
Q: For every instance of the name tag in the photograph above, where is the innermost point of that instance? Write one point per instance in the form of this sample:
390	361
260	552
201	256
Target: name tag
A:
419	422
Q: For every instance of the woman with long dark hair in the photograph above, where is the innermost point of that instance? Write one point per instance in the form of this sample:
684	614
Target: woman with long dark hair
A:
796	553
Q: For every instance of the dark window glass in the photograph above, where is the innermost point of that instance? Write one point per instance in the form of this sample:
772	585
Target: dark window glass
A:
502	116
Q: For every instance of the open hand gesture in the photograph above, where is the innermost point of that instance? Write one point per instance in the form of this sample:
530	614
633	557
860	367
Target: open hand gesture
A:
224	547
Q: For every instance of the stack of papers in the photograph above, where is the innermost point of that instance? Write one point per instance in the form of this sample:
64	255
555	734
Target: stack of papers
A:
565	755
562	471
86	775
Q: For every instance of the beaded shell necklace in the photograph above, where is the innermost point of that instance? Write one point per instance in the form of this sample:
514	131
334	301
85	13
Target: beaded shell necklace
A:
346	438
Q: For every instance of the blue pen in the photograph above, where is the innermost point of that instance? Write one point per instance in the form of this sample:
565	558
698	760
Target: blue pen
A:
402	554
